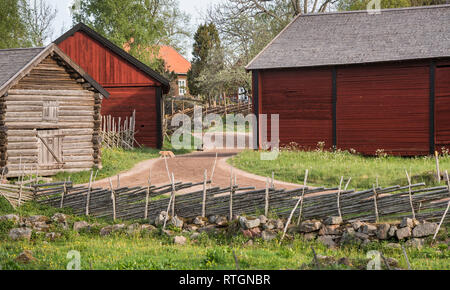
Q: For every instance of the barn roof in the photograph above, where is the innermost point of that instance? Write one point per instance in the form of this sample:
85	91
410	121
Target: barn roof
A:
119	51
13	60
359	37
16	63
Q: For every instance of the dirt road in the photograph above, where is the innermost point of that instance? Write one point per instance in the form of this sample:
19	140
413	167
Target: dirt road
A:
190	168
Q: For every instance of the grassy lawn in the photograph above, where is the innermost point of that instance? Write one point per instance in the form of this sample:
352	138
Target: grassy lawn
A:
326	168
156	251
116	161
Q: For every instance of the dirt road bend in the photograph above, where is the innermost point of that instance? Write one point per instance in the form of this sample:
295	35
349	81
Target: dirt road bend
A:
190	168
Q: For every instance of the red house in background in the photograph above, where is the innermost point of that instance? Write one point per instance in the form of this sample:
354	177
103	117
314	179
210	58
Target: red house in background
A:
360	81
132	85
176	63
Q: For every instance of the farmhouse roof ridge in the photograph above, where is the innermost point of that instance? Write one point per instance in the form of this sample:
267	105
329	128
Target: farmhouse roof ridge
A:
174	60
355	37
17	62
119	51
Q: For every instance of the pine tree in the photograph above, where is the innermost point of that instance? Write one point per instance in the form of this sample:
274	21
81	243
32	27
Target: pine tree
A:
206	39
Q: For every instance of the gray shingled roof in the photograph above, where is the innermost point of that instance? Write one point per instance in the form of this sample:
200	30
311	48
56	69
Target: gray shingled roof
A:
358	37
14	60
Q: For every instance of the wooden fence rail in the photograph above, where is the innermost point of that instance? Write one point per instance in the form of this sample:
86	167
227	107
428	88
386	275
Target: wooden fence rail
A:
318	203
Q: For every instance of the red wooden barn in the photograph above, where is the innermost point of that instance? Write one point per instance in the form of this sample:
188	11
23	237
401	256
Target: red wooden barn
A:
132	85
360	81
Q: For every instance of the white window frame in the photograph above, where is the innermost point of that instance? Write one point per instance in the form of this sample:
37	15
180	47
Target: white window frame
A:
181	87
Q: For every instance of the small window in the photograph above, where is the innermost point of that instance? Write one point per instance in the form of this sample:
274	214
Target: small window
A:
182	87
50	111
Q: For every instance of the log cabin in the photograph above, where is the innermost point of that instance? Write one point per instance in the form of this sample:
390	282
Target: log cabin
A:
132	84
49	113
359	80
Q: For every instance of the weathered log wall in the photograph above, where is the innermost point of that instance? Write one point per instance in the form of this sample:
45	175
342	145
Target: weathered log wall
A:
51	97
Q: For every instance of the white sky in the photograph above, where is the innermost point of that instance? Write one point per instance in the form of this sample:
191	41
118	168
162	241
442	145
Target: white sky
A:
195	8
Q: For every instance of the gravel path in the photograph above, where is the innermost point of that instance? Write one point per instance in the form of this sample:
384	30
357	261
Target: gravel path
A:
190	168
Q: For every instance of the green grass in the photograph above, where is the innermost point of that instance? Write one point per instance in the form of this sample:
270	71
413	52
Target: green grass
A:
157	252
121	252
118	160
326	168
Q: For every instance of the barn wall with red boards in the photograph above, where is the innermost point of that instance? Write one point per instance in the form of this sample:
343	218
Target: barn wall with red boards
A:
401	108
303	100
384	107
130	88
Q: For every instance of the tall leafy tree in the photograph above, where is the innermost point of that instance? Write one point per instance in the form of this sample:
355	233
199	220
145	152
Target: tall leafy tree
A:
206	39
247	26
39	17
139	25
13	29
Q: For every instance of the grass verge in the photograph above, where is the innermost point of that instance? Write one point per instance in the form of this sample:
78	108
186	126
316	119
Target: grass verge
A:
326	168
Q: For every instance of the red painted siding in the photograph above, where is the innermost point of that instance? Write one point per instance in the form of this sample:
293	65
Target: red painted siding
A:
130	88
443	106
142	99
103	65
384	106
379	106
303	99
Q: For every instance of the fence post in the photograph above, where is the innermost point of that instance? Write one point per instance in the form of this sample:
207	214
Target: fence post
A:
168	206
273	180
88	196
173	194
375	203
212	172
303	196
348	183
339	197
231	194
204	194
438	171
410	195
113	198
148	194
63	193
289	220
20	191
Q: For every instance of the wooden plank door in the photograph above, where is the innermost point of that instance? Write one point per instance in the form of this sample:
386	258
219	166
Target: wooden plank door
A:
53	139
442	107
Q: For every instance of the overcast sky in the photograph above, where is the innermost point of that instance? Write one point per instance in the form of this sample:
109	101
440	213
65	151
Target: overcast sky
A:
195	8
